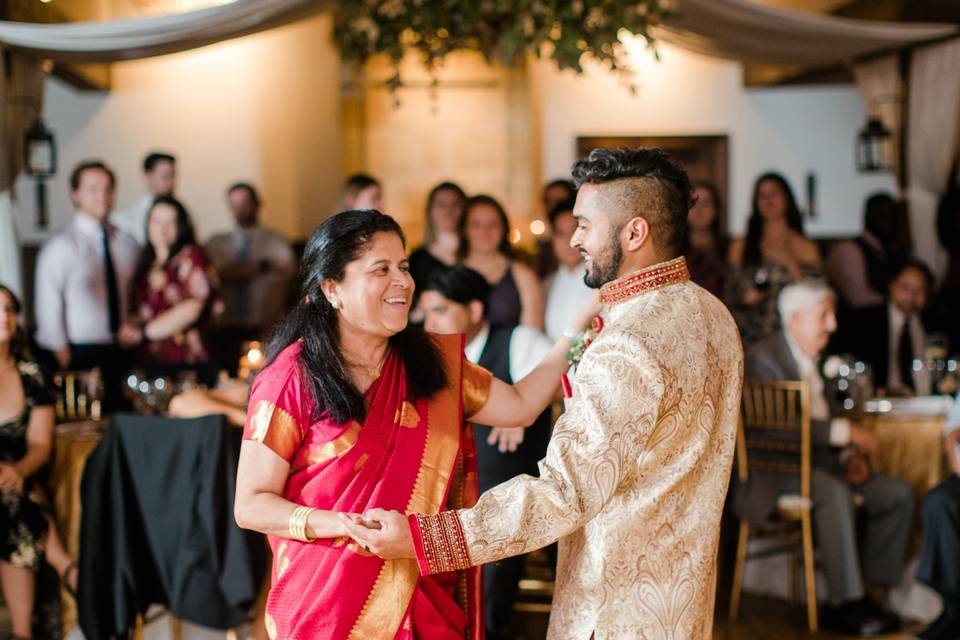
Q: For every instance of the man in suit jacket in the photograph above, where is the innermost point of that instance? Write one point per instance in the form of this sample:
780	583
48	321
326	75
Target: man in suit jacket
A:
807	308
892	336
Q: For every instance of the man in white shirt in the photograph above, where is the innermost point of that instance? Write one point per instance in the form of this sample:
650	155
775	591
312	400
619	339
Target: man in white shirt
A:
807	308
254	264
453	301
160	179
565	291
82	280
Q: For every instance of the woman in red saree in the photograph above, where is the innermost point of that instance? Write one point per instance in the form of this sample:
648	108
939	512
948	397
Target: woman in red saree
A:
357	410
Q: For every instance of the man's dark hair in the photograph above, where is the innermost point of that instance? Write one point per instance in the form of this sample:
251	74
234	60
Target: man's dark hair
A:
156	157
562	207
562	182
461	284
90	165
881	217
662	195
919	265
249	188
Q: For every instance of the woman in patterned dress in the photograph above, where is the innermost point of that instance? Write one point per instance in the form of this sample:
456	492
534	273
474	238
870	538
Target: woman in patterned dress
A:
27	536
774	253
174	291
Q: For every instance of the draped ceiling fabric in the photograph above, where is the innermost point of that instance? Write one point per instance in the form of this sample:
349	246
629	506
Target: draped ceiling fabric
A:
132	38
750	32
737	29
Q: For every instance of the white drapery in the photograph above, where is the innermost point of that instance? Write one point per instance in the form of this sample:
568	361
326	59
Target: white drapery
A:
751	32
132	38
9	247
736	29
933	140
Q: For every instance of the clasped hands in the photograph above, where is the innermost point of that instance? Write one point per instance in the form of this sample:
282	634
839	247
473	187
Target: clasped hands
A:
381	532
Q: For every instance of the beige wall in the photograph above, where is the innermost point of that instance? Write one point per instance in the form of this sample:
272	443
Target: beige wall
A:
263	108
475	128
268	108
794	130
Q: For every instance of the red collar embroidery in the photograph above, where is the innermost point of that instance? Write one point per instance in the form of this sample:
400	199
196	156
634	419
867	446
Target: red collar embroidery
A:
659	275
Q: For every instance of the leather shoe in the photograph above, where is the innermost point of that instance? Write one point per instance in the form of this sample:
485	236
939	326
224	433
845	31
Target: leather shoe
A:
946	627
858	618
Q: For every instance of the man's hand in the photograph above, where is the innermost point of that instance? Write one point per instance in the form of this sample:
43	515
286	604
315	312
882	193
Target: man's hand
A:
10	479
865	439
63	358
391	541
506	439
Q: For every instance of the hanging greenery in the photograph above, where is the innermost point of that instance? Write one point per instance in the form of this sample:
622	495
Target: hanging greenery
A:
503	30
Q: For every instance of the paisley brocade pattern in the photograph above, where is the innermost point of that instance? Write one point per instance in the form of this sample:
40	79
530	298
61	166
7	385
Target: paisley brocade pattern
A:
635	477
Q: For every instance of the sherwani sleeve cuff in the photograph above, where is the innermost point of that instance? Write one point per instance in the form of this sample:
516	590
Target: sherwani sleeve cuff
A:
439	542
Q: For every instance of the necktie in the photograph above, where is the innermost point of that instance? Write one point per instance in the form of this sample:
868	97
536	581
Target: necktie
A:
905	355
110	276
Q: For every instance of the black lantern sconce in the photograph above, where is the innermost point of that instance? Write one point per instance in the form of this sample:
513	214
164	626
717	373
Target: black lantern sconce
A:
39	155
40	163
875	147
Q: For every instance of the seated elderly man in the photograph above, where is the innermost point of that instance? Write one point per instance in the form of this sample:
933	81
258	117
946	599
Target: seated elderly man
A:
807	309
940	559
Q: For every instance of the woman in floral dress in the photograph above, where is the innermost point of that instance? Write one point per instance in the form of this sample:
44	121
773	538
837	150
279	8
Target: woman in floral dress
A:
174	291
27	536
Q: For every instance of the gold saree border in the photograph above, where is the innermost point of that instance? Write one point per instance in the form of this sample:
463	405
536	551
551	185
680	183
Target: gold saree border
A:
317	454
393	590
277	429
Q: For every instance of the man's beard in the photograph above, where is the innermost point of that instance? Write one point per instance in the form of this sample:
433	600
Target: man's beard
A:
605	266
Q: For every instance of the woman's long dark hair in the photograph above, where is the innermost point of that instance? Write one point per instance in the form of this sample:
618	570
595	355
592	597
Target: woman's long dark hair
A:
185	237
751	251
505	247
339	240
430	234
18	343
717	227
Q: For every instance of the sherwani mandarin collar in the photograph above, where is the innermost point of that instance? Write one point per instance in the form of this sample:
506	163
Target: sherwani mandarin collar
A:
653	277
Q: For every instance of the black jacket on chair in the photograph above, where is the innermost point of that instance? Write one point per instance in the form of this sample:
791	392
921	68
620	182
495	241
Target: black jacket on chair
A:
157	526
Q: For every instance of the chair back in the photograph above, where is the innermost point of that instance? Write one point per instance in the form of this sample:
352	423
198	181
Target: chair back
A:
774	430
79	395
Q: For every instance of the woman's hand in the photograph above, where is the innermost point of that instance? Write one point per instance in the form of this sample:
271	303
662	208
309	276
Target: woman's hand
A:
130	335
381	532
507	440
10	478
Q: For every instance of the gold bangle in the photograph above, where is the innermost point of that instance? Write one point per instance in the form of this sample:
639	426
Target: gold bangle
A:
297	524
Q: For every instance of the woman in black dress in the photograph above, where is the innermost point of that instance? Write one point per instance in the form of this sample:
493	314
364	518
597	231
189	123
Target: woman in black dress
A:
27	537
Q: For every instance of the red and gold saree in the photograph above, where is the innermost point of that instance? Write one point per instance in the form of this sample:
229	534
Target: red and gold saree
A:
409	456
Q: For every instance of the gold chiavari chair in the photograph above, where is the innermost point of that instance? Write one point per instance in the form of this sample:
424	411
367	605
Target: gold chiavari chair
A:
773	438
78	395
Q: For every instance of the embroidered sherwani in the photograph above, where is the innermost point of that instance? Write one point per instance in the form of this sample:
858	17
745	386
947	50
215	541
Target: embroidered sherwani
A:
635	476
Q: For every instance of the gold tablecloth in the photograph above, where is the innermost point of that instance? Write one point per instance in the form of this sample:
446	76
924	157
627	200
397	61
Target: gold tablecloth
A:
73	443
912	449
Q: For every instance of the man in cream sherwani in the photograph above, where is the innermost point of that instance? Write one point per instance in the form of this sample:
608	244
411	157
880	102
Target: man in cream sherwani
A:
636	472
